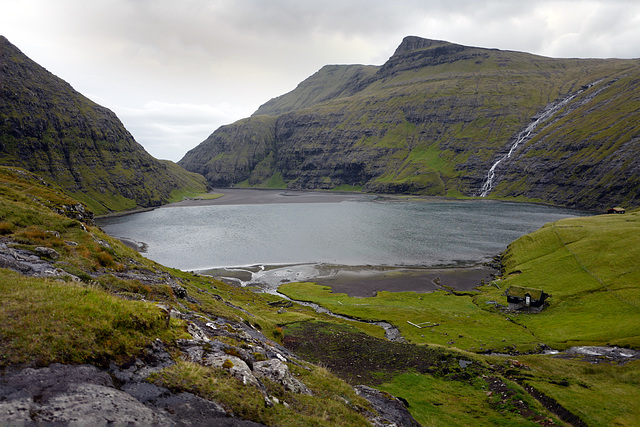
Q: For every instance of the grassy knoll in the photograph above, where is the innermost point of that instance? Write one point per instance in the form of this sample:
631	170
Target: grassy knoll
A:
589	266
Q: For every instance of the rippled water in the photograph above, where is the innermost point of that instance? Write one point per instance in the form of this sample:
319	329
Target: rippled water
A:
364	232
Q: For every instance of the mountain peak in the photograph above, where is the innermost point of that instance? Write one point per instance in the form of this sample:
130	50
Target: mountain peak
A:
411	43
416	52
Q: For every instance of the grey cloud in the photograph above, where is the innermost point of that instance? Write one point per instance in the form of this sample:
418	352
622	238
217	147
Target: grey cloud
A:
166	130
237	54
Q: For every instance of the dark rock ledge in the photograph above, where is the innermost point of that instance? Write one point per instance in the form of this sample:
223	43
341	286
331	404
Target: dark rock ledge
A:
85	395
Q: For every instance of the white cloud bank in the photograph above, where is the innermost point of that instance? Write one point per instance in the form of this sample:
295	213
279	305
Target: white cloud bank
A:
174	71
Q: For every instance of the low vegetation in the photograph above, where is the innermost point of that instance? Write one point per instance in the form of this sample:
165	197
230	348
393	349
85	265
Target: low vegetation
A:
107	303
435	318
49	321
103	302
325	407
586	265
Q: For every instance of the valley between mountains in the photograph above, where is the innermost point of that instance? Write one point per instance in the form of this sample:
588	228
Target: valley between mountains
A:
92	332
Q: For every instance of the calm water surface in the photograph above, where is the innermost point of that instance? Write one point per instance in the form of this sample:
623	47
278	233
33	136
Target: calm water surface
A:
359	232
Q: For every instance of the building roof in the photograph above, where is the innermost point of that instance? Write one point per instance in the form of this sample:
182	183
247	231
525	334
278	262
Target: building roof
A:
521	292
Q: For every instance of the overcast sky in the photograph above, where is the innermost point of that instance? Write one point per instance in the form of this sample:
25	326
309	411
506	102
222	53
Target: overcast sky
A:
175	70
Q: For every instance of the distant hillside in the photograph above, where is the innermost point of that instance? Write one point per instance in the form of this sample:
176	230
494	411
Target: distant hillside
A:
50	129
332	81
434	119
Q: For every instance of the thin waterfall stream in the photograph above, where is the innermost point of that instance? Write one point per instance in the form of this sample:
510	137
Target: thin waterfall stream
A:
548	112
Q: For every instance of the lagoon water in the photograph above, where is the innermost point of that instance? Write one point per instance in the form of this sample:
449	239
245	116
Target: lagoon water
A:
362	230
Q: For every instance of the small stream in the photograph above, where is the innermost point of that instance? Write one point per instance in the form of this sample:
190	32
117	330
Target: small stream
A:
390	332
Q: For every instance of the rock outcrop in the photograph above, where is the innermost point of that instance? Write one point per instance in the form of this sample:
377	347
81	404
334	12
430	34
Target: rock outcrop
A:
67	395
48	128
122	395
432	120
390	408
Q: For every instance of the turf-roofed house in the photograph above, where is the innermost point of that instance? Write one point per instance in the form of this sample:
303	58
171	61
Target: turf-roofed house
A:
528	299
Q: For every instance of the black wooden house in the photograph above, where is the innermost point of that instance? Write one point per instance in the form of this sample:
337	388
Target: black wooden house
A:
525	299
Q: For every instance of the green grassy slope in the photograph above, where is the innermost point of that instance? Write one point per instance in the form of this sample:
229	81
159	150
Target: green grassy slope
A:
49	128
590	267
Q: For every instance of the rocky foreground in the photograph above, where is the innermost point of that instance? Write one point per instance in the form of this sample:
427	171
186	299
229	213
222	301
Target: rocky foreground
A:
122	394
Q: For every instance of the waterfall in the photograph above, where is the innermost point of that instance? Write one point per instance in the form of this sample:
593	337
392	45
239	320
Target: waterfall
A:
549	111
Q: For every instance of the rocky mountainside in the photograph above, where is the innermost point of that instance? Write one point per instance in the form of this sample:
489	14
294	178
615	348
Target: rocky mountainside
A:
50	129
434	119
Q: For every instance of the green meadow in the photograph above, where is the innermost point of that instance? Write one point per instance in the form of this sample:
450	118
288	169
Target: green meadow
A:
590	268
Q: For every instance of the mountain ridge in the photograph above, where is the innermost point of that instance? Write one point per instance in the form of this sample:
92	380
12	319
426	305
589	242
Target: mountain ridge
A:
430	121
49	128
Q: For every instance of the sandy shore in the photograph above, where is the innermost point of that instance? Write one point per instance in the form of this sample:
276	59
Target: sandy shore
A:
253	196
366	282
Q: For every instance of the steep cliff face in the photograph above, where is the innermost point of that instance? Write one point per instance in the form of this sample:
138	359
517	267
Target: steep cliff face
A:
432	120
588	155
50	129
242	151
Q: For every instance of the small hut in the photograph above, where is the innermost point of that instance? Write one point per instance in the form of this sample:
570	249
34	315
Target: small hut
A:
529	299
616	210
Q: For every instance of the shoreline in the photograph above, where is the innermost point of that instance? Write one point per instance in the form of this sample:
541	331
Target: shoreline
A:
368	284
358	281
256	196
253	195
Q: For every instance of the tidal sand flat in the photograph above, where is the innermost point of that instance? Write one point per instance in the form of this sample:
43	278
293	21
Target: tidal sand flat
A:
368	281
357	281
